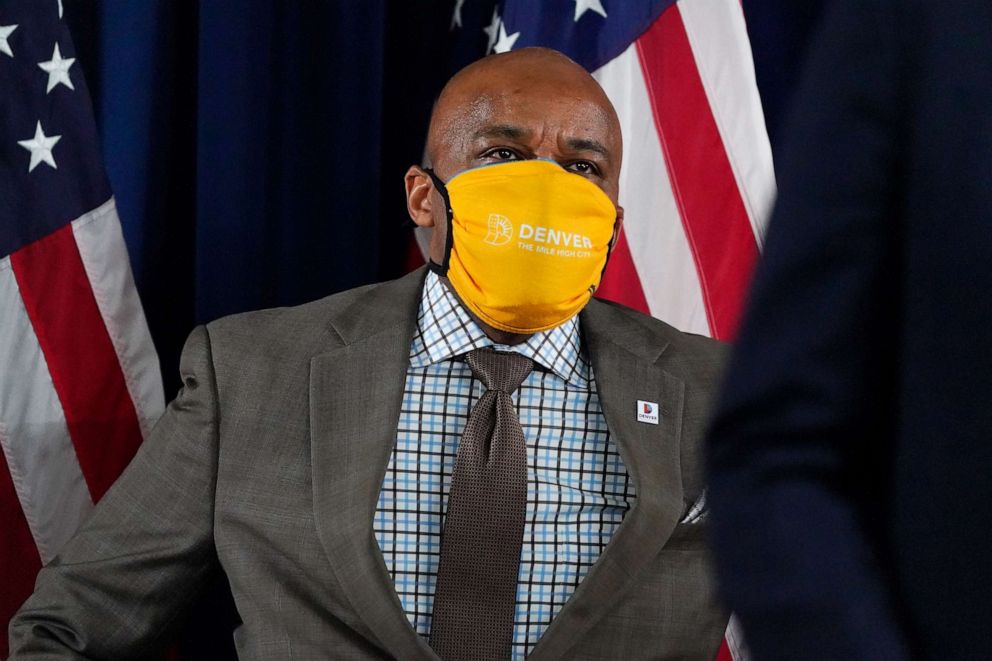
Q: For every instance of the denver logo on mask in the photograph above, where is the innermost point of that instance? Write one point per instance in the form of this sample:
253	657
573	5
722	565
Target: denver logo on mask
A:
500	230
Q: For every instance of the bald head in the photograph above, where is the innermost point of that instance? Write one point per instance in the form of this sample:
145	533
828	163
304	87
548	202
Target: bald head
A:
529	103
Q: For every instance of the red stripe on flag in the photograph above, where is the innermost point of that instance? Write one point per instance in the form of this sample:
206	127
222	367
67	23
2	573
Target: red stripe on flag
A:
18	555
713	214
81	359
621	283
724	653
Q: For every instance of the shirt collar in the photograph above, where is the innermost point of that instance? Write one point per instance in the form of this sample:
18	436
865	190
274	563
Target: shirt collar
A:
445	331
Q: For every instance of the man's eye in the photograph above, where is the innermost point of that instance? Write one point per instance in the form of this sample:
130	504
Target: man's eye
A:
501	154
582	167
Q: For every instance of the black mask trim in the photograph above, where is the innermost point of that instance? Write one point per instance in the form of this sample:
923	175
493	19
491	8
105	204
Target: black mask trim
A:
442	269
609	252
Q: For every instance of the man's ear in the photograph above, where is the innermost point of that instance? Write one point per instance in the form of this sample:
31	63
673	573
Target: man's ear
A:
617	226
418	196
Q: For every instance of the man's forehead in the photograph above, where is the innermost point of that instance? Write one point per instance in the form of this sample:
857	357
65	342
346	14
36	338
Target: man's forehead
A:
521	114
532	96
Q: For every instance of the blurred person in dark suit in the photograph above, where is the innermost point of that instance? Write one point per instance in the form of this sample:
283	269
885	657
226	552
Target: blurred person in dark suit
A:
851	458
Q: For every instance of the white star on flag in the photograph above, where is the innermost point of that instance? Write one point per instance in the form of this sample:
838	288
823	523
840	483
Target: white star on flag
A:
456	18
58	70
60	8
582	6
505	42
493	30
40	147
5	31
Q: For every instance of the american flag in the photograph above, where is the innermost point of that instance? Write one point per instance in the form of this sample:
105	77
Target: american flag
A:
79	377
697	181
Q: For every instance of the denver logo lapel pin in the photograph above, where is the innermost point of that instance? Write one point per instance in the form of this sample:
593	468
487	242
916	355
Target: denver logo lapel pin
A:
647	412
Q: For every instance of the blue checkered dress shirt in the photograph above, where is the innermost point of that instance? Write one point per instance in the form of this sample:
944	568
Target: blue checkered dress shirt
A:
578	490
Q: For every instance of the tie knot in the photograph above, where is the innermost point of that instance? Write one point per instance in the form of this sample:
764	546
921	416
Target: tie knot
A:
499	370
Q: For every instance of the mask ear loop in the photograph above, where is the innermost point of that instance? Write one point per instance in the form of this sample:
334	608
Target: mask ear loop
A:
609	253
442	269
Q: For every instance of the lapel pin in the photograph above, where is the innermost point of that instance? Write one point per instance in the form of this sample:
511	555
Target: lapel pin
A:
647	412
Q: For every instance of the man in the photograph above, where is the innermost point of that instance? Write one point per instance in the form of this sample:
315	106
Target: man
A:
851	454
316	452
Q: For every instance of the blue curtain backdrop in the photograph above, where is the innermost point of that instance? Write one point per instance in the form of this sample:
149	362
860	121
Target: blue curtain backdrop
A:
257	149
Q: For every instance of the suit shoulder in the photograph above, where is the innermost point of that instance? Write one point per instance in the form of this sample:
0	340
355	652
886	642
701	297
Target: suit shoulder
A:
283	332
699	346
690	345
310	313
695	359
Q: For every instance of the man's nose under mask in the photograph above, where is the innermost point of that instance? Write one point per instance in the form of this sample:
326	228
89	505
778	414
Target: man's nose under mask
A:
527	242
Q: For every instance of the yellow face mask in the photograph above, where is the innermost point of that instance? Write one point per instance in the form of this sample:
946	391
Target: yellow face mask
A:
527	242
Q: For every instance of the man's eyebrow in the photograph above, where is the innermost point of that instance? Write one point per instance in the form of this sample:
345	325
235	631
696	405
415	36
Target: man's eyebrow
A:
507	131
512	132
587	144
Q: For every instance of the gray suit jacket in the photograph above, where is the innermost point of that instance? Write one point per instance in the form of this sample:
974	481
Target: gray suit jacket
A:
270	460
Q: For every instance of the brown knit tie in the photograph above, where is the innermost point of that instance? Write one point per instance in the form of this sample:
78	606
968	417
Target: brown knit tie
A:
476	590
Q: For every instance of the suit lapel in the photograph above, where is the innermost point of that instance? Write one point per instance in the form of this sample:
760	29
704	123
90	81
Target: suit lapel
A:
356	392
626	370
355	396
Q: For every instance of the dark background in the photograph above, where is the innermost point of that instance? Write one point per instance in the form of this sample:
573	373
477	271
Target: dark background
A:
257	151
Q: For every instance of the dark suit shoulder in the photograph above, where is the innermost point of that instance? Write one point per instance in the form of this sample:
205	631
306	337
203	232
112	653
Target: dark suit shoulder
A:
276	326
683	352
699	359
318	326
270	350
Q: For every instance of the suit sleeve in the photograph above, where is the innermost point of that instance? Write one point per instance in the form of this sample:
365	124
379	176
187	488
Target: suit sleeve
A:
118	585
801	441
